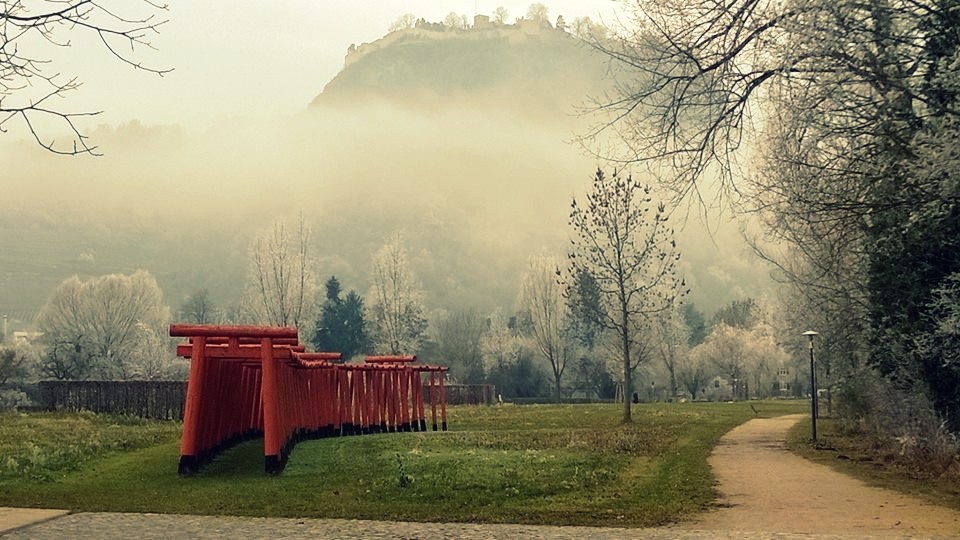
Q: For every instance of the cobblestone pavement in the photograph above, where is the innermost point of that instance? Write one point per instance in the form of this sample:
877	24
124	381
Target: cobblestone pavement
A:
97	525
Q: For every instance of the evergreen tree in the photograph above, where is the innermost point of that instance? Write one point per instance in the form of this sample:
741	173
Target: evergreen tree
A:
341	326
696	323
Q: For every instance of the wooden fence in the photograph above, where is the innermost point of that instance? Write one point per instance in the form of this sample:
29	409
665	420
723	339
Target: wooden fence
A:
471	394
147	399
164	400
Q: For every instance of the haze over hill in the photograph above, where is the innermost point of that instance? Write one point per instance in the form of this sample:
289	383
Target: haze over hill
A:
457	138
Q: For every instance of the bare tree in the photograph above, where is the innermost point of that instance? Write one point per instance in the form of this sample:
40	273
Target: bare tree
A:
538	12
542	297
500	15
623	241
199	308
280	288
29	88
405	21
397	313
694	376
93	324
455	22
672	337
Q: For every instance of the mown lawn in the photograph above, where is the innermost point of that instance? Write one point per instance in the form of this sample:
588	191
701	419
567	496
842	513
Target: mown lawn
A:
551	464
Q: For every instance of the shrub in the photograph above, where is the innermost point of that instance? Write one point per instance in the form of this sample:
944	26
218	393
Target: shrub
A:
900	419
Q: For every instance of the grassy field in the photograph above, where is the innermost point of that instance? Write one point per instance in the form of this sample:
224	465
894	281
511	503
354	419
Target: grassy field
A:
856	456
555	464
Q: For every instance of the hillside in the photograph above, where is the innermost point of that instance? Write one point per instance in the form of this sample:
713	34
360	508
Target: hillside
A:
525	65
458	138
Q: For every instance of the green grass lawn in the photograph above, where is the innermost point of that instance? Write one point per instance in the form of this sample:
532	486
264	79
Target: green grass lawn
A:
552	464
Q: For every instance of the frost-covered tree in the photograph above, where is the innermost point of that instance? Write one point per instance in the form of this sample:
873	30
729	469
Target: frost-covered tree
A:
91	327
459	339
499	344
671	337
727	350
744	356
542	298
15	365
622	239
397	315
18	364
151	357
280	287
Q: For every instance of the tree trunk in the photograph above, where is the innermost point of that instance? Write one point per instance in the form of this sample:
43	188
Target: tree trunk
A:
627	383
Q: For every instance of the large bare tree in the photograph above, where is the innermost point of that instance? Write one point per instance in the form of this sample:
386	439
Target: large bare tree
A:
623	240
30	88
397	313
281	288
542	298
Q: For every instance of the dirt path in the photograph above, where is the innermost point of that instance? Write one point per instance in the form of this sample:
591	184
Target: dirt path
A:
764	487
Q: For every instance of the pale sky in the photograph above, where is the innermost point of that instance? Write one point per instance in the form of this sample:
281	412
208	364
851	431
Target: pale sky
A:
232	61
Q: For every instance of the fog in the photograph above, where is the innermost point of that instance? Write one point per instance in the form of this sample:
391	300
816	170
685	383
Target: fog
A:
475	188
477	174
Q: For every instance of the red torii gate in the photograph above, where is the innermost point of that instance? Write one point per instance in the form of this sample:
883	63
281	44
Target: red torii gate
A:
247	381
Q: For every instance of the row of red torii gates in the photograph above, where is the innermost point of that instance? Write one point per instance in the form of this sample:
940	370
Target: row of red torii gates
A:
252	381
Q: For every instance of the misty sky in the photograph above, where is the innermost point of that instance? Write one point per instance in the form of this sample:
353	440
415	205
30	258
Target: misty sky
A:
231	61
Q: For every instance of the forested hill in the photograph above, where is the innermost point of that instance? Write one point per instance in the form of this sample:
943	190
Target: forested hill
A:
525	66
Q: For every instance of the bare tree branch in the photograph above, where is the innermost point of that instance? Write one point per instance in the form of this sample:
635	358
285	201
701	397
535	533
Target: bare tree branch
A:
25	83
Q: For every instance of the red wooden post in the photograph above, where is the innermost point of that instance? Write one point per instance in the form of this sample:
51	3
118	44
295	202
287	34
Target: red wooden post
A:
421	420
269	397
433	399
404	374
192	410
443	402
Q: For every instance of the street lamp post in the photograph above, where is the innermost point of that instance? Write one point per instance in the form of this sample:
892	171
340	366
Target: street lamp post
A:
813	387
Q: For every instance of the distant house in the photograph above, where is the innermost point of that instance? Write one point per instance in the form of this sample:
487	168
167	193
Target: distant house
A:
481	21
783	382
25	338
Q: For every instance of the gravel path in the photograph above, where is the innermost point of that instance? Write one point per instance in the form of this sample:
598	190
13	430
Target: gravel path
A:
764	487
766	493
